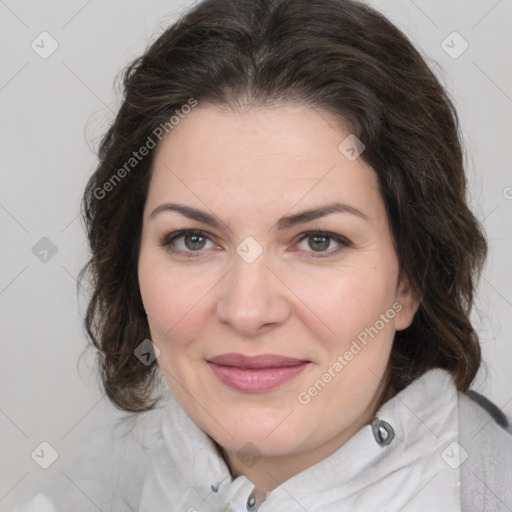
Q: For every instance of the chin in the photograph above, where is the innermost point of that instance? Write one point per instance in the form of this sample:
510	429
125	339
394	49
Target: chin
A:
254	439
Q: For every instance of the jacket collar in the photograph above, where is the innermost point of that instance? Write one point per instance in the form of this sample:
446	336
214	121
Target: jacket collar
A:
417	468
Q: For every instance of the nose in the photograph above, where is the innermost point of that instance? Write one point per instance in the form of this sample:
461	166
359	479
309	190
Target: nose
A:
252	298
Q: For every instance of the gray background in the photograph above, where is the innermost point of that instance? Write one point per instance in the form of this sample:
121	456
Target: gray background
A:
54	110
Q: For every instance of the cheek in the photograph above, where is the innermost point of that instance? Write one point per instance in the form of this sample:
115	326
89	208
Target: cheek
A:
177	302
344	305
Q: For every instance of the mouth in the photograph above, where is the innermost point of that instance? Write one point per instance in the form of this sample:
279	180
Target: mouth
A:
257	373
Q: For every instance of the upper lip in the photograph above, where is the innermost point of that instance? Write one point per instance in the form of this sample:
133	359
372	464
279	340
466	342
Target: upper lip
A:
259	361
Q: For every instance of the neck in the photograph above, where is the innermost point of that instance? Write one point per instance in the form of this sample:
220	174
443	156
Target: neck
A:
267	473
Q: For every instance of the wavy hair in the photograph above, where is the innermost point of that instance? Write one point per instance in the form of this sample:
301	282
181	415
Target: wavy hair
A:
337	55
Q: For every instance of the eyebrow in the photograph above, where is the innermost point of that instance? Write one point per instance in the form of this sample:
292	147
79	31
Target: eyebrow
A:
285	222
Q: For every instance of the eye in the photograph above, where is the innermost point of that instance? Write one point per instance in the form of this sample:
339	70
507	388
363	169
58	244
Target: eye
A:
187	242
194	243
321	242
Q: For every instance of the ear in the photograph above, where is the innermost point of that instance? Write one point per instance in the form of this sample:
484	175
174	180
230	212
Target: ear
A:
408	303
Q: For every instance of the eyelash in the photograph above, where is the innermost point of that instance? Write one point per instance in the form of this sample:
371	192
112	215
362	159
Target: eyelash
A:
168	240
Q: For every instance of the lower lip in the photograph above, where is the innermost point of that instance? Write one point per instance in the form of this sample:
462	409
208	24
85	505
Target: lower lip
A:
255	379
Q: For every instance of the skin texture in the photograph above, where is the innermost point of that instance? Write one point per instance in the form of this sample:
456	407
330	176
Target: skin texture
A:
250	168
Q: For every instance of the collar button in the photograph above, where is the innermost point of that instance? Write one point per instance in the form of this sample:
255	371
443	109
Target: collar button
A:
251	503
383	432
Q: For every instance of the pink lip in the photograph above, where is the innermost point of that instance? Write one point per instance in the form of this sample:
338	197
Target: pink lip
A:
257	373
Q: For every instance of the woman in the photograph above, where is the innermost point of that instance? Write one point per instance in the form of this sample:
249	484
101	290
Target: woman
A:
280	207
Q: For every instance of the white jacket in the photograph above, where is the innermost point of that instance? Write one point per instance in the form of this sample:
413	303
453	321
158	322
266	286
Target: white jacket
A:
432	449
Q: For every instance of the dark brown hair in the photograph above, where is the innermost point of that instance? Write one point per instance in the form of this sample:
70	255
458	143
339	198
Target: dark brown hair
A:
337	55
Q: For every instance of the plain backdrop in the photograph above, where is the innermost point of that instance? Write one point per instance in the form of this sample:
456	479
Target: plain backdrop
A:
53	111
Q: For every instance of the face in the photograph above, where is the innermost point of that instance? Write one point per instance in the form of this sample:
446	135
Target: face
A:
269	275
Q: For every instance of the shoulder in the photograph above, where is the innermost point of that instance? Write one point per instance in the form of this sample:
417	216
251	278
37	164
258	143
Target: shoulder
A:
486	462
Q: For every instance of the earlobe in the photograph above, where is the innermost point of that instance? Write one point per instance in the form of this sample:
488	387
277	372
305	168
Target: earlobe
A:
409	303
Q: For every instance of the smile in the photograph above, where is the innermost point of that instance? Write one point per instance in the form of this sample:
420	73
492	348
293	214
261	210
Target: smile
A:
255	374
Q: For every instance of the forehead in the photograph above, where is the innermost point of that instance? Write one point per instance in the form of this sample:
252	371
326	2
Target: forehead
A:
259	156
